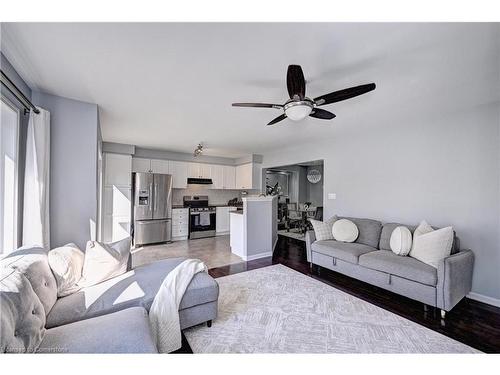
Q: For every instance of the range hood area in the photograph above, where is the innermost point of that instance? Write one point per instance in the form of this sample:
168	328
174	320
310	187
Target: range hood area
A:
199	181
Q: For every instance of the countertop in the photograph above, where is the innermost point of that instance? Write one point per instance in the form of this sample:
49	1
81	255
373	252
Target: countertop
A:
210	205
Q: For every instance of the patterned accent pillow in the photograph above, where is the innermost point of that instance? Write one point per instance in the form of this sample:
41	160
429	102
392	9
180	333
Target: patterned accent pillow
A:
323	229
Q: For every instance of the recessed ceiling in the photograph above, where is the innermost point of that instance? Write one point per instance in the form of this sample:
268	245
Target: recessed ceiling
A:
170	86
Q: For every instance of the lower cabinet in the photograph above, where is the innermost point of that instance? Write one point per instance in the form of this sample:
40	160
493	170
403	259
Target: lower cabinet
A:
222	220
180	224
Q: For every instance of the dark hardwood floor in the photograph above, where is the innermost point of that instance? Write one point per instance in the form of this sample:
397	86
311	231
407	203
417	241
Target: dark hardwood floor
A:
470	322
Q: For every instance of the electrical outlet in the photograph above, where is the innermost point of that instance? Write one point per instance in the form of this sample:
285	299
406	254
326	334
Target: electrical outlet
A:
332	196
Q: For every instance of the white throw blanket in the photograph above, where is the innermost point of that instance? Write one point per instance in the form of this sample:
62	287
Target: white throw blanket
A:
164	312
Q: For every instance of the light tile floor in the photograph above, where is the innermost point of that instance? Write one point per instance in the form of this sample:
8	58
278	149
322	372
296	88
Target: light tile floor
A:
214	251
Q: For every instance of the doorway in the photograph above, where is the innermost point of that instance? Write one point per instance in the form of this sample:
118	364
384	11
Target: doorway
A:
299	188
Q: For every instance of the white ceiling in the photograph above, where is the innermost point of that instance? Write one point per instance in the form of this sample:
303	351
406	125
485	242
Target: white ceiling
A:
170	86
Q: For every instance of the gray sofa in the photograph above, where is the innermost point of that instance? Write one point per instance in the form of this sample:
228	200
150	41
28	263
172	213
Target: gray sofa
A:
110	317
371	260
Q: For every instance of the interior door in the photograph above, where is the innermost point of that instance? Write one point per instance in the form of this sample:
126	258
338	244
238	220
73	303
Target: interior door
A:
143	196
162	191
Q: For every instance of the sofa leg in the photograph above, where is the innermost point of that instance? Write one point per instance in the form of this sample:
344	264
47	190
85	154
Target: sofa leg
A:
443	314
209	324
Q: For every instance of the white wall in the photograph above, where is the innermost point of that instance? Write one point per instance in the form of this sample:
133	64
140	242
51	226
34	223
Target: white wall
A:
442	168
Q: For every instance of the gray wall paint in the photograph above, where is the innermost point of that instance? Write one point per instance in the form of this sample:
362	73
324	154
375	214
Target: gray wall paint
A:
23	130
73	168
443	168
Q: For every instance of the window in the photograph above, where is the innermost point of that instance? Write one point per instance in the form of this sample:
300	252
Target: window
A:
8	176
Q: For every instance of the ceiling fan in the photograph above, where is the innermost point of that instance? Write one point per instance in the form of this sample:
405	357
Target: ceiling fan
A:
298	107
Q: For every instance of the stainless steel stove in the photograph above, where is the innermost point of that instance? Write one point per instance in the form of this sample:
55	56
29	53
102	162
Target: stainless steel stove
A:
202	218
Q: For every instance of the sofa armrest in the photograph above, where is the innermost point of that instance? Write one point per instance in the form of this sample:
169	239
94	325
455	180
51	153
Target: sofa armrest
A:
310	238
454	279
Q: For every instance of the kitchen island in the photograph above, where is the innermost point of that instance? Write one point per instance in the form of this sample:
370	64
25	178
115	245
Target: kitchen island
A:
254	230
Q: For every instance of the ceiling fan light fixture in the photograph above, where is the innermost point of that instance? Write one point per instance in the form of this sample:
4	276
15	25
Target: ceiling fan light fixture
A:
298	110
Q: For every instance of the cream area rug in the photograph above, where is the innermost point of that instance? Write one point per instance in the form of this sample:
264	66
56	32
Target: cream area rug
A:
278	310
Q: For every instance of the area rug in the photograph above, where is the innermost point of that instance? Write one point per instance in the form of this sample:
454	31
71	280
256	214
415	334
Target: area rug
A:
278	310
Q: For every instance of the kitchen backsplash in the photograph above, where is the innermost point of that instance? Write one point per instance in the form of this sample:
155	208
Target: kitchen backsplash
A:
215	196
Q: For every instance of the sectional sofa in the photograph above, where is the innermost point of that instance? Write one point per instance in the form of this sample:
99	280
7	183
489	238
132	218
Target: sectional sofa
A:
371	260
110	317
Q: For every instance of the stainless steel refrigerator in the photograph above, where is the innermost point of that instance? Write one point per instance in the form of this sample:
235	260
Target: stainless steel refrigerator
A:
152	208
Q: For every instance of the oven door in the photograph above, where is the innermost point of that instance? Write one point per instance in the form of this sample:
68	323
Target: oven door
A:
202	222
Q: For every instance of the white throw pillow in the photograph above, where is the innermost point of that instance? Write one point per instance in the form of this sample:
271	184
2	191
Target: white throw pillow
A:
66	263
323	229
401	241
104	261
344	230
431	246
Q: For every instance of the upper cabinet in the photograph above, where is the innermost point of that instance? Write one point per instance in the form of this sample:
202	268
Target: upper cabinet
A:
117	169
150	165
198	170
160	166
141	165
248	176
179	172
229	174
218	177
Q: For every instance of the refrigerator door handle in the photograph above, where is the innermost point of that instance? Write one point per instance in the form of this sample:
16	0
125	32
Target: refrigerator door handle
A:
150	195
156	196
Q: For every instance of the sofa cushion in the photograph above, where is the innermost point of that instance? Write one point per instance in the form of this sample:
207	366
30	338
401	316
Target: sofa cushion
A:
22	316
349	252
104	261
33	263
137	287
125	331
345	231
66	263
385	237
406	267
369	231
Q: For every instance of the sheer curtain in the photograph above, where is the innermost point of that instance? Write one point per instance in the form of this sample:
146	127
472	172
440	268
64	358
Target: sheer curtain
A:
36	230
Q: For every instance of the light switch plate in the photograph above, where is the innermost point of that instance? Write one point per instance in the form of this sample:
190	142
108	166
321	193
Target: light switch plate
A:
332	196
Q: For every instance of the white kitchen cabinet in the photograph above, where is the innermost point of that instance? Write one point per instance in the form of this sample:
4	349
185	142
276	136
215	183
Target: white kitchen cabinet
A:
117	200
194	170
206	170
160	166
117	169
117	196
199	170
179	172
180	224
229	173
248	176
141	165
217	176
222	220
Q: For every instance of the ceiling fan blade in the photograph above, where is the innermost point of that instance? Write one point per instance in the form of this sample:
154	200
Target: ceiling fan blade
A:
322	114
295	81
258	105
344	94
278	119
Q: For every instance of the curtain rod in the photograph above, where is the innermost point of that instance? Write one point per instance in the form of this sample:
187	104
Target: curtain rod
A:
9	85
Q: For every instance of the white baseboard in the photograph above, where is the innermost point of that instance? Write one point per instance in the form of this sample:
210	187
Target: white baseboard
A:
485	299
258	256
